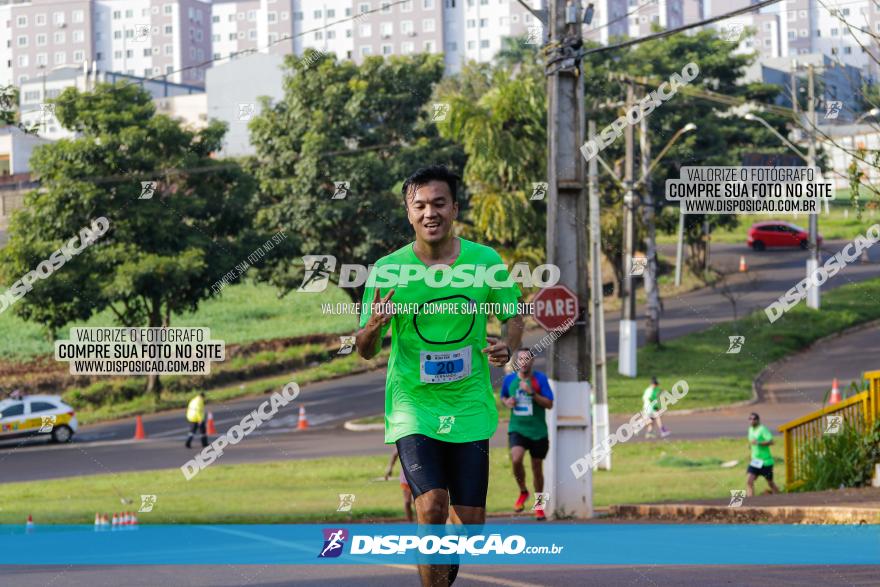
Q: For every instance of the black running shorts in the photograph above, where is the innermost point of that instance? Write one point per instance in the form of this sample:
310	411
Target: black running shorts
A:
461	468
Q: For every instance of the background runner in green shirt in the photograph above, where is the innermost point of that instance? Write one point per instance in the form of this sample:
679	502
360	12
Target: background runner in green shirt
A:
761	463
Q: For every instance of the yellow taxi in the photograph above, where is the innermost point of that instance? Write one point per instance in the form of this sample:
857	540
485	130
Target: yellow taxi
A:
37	414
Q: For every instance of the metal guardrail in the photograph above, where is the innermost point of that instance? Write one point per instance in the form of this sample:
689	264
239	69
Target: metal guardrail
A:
860	411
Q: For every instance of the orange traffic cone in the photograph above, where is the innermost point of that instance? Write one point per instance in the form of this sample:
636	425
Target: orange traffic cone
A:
134	519
211	428
97	519
30	522
115	522
139	433
303	422
835	393
742	264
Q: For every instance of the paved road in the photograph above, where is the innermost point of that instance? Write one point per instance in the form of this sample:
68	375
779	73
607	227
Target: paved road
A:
476	575
106	448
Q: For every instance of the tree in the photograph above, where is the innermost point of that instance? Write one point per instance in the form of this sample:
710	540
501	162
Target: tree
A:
160	255
502	128
368	125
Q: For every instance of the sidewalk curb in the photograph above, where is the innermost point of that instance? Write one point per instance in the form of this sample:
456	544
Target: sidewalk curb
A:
355	427
770	514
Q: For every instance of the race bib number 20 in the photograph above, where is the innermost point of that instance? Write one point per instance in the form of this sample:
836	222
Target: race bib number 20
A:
446	366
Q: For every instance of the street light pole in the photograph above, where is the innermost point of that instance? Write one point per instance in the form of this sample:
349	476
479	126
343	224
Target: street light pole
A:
627	359
813	293
598	373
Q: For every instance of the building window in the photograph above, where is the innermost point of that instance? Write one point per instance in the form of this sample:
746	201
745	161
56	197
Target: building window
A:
117	34
428	4
42	59
40	40
331	35
167	8
22	60
59	37
117	14
215	18
32	96
484	22
428	24
147	52
364	7
386	9
272	16
471	23
484	44
366	50
406	27
40	20
252	15
252	34
60	58
387	29
387	49
331	13
78	56
78	36
834	32
317	14
406	48
22	41
129	14
429	46
215	38
169	49
406	6
21	21
169	29
847	50
117	55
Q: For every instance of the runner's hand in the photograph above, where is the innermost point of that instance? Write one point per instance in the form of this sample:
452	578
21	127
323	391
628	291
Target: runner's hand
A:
498	351
509	402
379	317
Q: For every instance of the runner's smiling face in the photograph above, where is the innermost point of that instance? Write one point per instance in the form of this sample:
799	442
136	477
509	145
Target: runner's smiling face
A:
431	211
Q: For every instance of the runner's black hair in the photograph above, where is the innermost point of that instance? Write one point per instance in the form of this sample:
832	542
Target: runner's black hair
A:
428	174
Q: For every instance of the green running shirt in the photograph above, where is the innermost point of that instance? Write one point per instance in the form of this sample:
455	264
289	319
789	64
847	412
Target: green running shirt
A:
438	377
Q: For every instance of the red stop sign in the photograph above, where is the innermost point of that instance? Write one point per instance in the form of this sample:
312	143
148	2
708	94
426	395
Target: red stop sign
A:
555	306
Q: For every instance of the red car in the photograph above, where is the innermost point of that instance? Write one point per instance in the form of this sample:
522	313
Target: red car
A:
778	234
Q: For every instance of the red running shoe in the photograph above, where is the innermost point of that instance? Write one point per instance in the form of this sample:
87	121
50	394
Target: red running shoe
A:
520	503
539	515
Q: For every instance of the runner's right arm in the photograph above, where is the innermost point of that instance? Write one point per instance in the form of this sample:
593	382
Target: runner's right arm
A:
369	338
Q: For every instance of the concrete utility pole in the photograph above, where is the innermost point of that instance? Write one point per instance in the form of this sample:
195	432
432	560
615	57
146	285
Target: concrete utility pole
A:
626	364
652	293
598	373
679	248
567	245
813	294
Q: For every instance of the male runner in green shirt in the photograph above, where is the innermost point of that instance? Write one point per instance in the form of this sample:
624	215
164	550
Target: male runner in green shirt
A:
760	439
439	404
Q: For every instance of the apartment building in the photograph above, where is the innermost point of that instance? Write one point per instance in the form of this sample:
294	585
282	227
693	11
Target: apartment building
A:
136	37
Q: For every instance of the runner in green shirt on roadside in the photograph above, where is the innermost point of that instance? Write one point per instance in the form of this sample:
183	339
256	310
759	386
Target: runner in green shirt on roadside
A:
439	403
650	407
760	439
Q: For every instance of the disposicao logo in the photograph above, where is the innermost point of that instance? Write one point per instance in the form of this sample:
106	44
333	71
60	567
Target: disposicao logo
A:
334	542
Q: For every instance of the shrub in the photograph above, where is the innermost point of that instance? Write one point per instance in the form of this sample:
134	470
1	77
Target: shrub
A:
845	459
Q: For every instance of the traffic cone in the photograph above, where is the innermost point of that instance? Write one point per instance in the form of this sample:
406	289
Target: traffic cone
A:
115	522
105	520
742	264
30	522
211	428
97	519
134	519
835	393
139	433
303	423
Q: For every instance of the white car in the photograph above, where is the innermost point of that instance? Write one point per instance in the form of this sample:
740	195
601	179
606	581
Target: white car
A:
37	414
